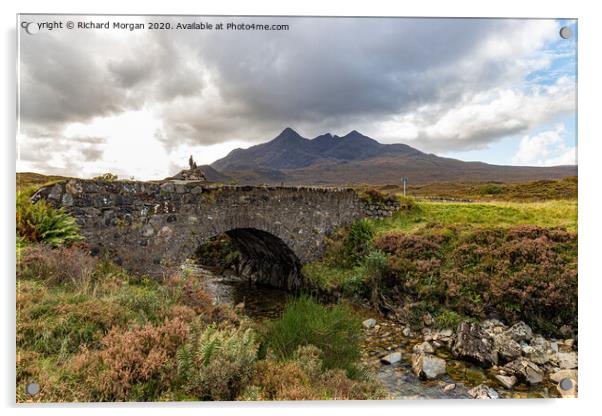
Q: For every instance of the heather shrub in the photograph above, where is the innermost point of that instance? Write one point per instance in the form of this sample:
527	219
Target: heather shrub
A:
279	381
411	246
216	364
303	378
335	330
524	273
40	222
191	292
57	384
528	273
62	265
132	364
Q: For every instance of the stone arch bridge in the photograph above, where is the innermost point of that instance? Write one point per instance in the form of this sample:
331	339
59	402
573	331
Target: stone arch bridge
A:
152	227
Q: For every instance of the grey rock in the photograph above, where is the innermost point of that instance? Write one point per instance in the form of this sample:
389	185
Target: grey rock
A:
569	343
507	381
167	187
56	192
525	370
407	332
520	332
566	360
391	358
67	200
428	366
536	353
424	347
472	343
507	348
483	391
444	333
493	326
562	374
427	319
369	323
148	230
449	387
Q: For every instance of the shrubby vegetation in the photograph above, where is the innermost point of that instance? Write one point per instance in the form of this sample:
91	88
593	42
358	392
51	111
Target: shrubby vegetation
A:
216	364
462	261
41	223
87	331
107	177
374	196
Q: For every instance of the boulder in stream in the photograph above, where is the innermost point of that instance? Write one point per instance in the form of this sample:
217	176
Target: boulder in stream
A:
392	358
482	391
507	381
472	343
525	370
428	366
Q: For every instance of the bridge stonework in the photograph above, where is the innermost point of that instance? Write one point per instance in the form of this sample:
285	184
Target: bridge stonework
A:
152	227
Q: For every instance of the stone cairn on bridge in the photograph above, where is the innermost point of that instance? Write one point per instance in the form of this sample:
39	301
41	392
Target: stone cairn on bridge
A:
193	173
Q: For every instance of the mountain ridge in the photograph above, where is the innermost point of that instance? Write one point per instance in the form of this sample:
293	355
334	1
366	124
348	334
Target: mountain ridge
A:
355	158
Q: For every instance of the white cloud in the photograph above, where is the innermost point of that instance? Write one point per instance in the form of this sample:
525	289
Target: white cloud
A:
481	118
546	149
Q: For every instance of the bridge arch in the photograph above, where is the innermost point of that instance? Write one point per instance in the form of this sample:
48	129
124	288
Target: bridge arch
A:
265	259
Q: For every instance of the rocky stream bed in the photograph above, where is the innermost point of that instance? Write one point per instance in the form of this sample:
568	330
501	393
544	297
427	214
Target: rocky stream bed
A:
486	360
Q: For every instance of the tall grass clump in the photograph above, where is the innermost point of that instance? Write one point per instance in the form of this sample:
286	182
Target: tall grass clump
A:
335	330
41	223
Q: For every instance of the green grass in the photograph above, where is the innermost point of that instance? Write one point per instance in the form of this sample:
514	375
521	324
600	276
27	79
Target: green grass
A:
559	213
335	330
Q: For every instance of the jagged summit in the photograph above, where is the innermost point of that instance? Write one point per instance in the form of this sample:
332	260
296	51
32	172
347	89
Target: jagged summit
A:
357	158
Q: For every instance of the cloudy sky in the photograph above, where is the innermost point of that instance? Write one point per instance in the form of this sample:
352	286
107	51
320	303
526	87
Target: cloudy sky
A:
137	103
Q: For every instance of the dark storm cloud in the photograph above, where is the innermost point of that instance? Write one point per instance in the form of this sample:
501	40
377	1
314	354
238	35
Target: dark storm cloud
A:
340	74
66	78
323	74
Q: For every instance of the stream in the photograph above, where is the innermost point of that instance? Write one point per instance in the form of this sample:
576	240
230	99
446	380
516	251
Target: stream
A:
262	302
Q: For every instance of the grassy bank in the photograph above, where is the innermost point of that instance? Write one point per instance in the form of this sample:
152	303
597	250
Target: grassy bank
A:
88	331
512	261
560	213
